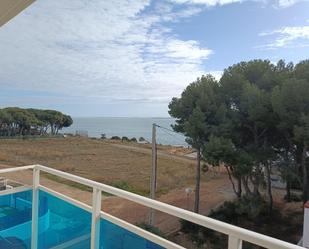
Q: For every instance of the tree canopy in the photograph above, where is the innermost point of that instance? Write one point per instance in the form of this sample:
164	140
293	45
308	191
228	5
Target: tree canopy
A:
18	121
255	118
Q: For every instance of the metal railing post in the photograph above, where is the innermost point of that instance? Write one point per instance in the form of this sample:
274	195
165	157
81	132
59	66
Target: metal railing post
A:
95	222
234	243
35	208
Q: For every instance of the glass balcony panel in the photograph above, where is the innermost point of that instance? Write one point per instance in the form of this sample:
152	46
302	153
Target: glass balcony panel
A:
62	223
116	237
15	220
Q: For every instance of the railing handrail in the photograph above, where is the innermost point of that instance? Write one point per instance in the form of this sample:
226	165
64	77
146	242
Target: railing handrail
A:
219	226
14	169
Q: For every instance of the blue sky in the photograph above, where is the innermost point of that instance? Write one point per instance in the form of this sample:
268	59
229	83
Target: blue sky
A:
130	57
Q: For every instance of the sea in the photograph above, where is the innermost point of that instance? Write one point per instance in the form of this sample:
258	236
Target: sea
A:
129	127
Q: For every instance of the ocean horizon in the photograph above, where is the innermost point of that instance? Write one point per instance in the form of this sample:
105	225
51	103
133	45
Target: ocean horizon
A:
129	127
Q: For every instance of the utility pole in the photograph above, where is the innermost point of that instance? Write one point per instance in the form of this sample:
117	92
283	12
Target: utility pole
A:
153	176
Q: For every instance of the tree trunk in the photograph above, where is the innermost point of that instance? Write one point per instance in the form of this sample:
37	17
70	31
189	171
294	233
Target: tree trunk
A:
305	174
256	183
197	181
239	187
269	192
246	185
288	191
232	181
288	180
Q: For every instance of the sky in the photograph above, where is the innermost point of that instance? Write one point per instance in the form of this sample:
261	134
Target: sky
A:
129	58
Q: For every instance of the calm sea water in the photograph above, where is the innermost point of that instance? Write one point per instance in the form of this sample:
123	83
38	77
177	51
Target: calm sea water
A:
129	127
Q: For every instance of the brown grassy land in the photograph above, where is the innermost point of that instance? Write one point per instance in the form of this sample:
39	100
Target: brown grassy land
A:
105	161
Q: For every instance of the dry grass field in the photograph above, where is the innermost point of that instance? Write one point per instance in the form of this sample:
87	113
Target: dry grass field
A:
115	163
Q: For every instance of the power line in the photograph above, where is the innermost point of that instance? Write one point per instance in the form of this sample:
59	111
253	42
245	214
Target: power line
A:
167	131
172	135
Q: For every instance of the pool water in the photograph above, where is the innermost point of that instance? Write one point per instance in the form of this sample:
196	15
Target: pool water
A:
61	225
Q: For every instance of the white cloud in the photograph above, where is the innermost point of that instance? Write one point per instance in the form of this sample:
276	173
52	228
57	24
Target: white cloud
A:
209	3
187	50
287	37
288	3
165	10
111	50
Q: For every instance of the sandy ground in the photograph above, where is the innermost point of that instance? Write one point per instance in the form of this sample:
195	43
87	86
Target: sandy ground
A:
213	193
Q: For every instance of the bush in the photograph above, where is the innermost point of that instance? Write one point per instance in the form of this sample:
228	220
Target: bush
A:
115	138
127	187
151	229
294	198
202	236
122	185
133	140
141	139
125	139
247	209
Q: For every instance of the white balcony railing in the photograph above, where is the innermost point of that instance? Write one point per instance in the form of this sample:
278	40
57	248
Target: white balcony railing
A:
235	234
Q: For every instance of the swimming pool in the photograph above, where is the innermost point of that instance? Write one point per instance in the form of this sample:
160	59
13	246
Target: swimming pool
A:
60	225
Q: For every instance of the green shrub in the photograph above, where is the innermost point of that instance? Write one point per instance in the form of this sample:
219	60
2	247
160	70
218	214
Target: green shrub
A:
125	139
294	197
127	187
115	138
151	229
203	237
141	139
122	185
233	212
247	207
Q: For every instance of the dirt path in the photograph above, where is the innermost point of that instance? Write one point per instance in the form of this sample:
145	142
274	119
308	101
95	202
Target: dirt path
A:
213	193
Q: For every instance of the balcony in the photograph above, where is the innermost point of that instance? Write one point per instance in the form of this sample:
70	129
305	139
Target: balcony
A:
37	217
